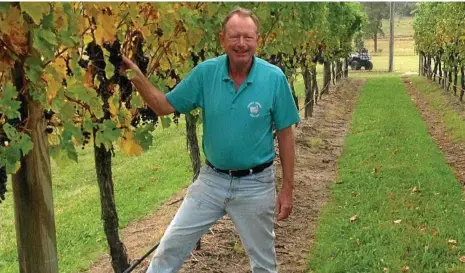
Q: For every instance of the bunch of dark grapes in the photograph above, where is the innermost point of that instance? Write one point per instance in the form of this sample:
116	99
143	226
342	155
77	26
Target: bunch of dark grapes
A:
146	115
3	178
115	55
125	87
86	138
14	121
141	60
176	116
95	53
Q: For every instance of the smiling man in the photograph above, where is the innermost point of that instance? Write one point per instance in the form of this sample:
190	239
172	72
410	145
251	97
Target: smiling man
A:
243	99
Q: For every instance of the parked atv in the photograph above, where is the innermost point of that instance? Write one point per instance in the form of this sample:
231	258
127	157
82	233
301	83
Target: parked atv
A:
360	59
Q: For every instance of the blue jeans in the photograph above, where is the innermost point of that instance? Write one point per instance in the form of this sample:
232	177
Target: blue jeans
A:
250	202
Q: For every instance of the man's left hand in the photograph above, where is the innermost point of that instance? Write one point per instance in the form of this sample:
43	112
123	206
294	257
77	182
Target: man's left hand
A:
284	203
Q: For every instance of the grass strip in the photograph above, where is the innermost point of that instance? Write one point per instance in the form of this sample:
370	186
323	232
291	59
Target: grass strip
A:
141	185
396	206
435	95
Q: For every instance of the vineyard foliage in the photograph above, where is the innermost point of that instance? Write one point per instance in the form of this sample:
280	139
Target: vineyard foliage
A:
69	55
439	36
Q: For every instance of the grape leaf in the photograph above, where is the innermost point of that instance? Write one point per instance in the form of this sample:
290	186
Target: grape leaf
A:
8	103
129	146
144	137
4	6
165	122
35	9
106	29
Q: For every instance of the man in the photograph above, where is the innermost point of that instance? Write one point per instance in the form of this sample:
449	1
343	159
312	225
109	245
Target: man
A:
243	98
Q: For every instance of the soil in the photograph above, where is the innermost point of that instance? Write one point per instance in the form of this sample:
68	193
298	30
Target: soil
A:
319	143
453	151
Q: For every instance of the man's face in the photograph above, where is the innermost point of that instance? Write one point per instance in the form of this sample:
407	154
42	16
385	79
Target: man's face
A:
239	40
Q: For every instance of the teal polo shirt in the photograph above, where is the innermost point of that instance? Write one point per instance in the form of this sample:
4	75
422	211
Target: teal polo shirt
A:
237	124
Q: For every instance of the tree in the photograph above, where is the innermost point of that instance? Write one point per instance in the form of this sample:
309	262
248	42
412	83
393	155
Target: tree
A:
376	12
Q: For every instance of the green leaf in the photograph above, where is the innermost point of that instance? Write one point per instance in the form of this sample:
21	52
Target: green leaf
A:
143	136
35	10
44	42
67	111
47	22
109	68
70	128
4	7
78	92
37	92
34	68
165	122
95	105
67	39
10	132
88	125
107	133
25	144
8	104
130	74
136	100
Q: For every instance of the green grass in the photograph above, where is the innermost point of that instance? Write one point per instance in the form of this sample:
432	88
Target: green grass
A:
141	184
453	122
388	153
403	27
402	47
402	64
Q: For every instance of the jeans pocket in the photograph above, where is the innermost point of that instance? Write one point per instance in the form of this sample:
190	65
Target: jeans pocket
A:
266	176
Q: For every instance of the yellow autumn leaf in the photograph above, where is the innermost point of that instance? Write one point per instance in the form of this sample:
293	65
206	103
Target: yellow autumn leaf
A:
129	146
53	85
354	218
164	64
60	66
14	32
112	101
125	116
106	29
60	18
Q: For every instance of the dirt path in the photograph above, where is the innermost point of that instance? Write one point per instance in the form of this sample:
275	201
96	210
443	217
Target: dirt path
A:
319	142
453	152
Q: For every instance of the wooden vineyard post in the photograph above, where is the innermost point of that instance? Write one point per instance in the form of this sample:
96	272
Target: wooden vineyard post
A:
33	201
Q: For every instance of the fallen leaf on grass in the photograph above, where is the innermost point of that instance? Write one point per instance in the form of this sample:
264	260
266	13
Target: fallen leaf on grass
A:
452	242
462	259
155	168
385	269
354	218
405	268
397	221
141	188
415	189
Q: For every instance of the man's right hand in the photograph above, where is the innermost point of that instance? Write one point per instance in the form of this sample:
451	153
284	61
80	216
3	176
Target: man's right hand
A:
154	98
128	64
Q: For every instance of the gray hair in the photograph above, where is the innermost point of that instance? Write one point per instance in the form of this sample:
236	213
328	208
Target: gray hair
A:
243	13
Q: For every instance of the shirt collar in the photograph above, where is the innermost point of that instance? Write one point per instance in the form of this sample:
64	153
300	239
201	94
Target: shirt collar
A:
251	75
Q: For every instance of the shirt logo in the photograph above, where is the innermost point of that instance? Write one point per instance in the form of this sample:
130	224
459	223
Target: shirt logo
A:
254	109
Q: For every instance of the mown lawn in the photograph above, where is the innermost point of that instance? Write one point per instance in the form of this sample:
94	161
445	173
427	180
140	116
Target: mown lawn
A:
141	184
396	206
